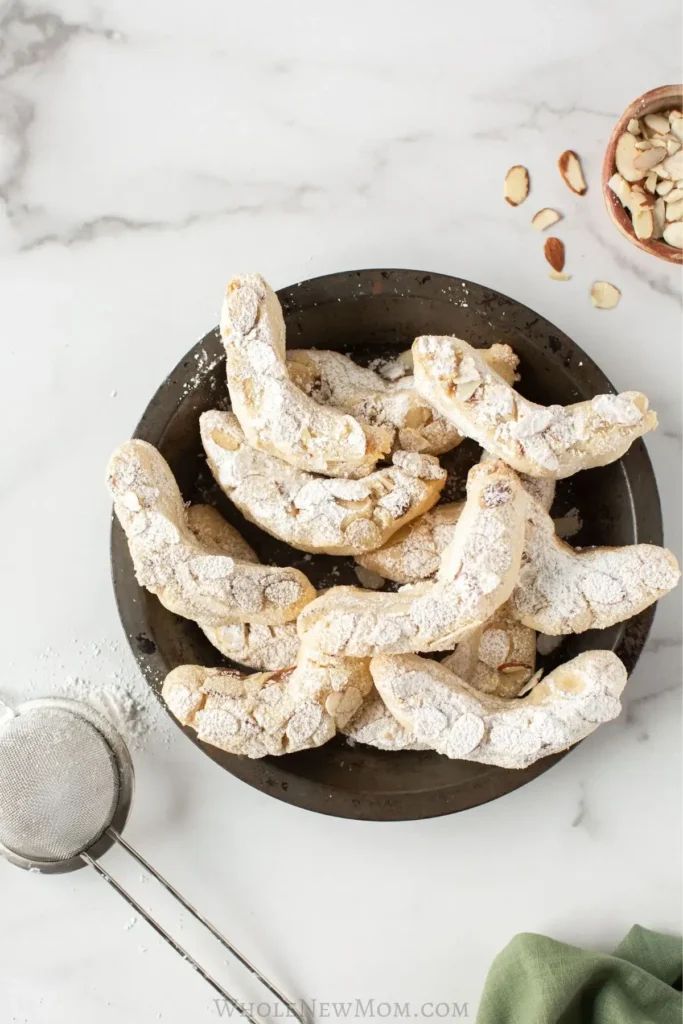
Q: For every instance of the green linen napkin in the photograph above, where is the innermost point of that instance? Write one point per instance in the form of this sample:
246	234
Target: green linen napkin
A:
536	980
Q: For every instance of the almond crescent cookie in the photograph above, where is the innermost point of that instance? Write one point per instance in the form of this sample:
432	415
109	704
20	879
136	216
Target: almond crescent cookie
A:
261	647
561	590
477	573
212	530
456	720
553	442
276	416
331	378
375	726
498	657
268	712
254	715
188	577
339	685
313	513
414	552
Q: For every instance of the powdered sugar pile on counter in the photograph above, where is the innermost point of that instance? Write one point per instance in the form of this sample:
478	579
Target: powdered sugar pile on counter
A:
100	674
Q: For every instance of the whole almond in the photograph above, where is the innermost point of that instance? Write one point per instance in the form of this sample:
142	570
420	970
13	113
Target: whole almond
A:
554	253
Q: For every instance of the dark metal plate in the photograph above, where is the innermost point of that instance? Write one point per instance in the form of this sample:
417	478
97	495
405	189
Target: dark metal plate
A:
375	313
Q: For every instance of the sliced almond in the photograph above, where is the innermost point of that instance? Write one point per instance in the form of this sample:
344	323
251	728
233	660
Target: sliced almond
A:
672	146
639	199
604	295
516	185
673	165
664	187
545	218
643	144
466	390
554	253
557	276
643	223
674	195
658	218
674	211
658	123
570	169
658	143
633	126
648	158
624	156
651	182
673	234
677	124
621	188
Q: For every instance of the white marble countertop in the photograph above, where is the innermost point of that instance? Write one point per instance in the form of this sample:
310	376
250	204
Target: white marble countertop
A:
147	152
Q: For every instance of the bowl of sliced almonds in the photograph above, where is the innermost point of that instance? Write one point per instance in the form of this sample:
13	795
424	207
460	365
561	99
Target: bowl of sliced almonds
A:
642	174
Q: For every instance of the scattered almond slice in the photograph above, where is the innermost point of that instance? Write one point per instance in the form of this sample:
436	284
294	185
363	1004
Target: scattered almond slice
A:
604	295
558	276
545	218
664	187
648	158
673	234
570	169
672	146
633	126
674	211
643	144
624	156
673	195
643	223
651	182
659	143
516	185
658	218
657	123
554	253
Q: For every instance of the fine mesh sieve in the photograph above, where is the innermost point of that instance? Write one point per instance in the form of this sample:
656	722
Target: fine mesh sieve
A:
66	783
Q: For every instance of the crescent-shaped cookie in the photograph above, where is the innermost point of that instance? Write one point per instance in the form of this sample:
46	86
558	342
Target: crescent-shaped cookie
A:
498	657
260	647
314	513
276	416
554	441
477	573
189	577
331	378
414	552
375	726
442	711
561	590
268	713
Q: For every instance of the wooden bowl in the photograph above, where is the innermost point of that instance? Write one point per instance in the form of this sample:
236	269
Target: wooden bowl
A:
664	98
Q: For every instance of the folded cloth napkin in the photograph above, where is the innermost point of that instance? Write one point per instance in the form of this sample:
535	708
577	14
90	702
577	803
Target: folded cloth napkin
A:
536	980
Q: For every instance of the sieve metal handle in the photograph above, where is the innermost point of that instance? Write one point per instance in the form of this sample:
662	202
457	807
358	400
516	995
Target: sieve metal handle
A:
113	834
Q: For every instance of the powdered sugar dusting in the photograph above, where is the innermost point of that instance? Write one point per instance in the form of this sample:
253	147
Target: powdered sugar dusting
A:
314	513
564	591
459	722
